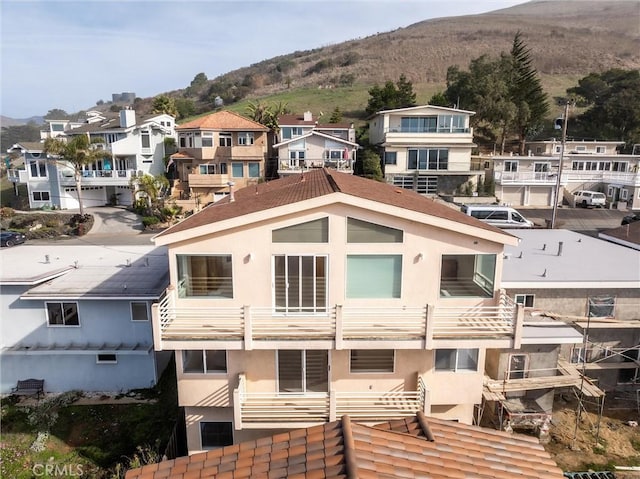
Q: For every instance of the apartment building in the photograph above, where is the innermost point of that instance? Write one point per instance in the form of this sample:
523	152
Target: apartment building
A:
316	295
425	148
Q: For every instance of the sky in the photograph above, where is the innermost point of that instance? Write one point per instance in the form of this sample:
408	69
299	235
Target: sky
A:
70	54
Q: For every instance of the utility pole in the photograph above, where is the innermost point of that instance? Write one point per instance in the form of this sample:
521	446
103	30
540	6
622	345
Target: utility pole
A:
559	177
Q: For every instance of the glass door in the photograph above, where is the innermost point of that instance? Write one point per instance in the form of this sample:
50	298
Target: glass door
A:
303	371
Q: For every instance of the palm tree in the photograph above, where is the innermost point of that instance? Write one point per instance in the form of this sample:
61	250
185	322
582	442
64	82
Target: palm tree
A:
76	153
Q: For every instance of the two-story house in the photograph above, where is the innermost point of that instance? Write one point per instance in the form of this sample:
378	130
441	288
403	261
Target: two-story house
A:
322	294
215	153
587	165
305	143
79	317
136	147
425	148
590	283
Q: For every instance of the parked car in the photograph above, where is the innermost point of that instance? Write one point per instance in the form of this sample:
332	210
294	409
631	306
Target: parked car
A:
630	219
11	238
500	216
587	198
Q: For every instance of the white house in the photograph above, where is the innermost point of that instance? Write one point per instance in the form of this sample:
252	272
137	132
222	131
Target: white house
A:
79	317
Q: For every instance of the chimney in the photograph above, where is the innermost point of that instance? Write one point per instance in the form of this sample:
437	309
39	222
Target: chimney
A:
232	198
560	245
308	116
127	118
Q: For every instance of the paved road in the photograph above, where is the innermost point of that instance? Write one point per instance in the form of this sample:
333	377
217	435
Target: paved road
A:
583	220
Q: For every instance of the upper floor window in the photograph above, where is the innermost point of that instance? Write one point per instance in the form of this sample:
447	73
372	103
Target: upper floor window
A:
601	149
451	123
390	158
237	169
511	165
455	360
38	169
245	138
225	139
207	139
185	140
467	275
139	311
207	169
602	307
525	300
418	124
62	314
374	276
427	159
205	275
359	231
372	360
253	169
289	132
57	126
145	138
316	231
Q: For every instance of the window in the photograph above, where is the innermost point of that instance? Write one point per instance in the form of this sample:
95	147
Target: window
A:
601	307
207	169
289	132
303	371
359	231
139	311
558	148
511	165
427	159
237	170
300	284
418	124
467	275
581	148
390	158
601	149
456	360
205	275
225	139
106	359
38	169
62	314
216	434
203	362
525	300
518	366
254	170
40	195
145	138
207	139
624	194
629	375
374	276
372	360
316	231
57	126
245	138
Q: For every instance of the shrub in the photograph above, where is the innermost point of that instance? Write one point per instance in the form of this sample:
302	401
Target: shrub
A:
150	221
6	212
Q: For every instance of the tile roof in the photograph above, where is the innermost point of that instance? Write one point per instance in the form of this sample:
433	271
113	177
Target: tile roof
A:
316	183
223	120
416	447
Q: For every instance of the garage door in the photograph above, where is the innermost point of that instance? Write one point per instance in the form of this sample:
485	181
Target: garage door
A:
540	196
91	196
512	196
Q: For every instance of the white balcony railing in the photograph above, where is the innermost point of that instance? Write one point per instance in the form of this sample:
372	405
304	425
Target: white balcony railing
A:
257	410
568	176
300	165
98	177
252	327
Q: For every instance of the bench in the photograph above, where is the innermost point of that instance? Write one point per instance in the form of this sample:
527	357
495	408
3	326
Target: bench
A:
29	387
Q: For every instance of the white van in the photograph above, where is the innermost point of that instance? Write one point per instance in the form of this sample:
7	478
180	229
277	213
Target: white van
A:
500	216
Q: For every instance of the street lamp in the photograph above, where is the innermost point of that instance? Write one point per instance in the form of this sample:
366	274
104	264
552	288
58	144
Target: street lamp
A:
561	161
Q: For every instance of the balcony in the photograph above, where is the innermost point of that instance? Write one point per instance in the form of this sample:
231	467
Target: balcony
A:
399	136
339	327
289	410
289	167
98	177
208	181
568	176
541	178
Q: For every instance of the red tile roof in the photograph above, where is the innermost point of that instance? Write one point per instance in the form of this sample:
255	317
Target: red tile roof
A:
223	120
316	183
416	447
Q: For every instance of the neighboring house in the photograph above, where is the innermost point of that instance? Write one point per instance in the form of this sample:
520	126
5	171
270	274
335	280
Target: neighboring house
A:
425	148
56	128
587	165
215	151
79	317
304	143
418	446
136	147
593	284
312	296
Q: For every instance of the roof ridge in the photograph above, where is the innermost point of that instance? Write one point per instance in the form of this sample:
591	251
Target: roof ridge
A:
349	445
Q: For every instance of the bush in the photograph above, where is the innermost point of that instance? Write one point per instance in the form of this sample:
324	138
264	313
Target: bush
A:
150	221
6	212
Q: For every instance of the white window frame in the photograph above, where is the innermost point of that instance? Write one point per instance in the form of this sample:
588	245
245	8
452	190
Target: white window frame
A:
601	149
525	371
511	164
624	194
246	138
145	133
207	167
46	310
146	305
524	297
107	361
457	361
225	139
205	369
39	164
209	136
41	192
